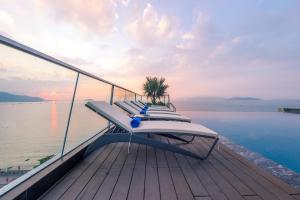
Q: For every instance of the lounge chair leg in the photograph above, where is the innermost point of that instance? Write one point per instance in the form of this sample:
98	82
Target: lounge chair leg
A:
191	140
172	136
211	148
125	137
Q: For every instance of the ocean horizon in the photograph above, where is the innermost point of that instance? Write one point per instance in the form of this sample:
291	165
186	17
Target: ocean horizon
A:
30	131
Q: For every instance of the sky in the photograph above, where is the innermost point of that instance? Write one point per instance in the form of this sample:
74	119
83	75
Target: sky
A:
203	48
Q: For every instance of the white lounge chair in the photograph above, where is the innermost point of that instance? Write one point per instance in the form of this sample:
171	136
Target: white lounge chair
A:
151	116
138	134
150	111
152	108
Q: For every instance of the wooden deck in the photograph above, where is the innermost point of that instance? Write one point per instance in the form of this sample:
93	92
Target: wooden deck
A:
151	174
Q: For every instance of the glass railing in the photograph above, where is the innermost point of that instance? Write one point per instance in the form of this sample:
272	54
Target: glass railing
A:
164	99
43	114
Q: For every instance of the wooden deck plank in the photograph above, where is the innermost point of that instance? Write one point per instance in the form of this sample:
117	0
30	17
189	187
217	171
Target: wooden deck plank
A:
105	190
297	196
120	191
194	183
167	190
252	197
161	159
191	177
242	188
151	180
182	189
202	198
137	185
74	190
271	187
243	176
61	186
227	188
286	187
96	180
148	173
213	190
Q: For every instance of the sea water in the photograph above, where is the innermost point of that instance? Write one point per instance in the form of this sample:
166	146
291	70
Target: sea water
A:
254	125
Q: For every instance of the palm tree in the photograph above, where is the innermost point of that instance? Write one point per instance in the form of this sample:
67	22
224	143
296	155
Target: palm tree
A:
155	88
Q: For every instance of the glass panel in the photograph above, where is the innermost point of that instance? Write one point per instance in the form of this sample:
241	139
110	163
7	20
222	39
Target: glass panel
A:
85	123
129	95
34	102
119	94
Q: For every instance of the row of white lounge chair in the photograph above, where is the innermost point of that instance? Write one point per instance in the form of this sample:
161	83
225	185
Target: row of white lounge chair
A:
158	120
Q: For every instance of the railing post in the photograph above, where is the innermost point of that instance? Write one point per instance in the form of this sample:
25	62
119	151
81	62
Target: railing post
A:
112	95
165	99
111	101
70	114
135	96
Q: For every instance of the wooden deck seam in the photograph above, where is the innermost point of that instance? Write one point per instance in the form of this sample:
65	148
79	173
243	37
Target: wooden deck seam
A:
276	189
211	161
226	187
126	170
265	192
120	169
117	148
279	193
182	171
118	176
113	146
157	173
267	175
72	171
133	171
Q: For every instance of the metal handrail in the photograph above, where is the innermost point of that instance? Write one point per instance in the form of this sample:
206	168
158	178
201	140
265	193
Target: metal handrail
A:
31	51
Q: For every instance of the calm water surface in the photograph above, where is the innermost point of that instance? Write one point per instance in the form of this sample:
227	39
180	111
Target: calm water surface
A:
274	135
31	131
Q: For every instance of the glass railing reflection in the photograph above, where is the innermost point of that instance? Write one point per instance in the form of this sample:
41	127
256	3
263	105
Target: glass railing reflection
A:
43	113
35	98
85	123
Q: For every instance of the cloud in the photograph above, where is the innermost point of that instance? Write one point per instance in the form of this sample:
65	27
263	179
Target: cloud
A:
97	16
6	23
152	28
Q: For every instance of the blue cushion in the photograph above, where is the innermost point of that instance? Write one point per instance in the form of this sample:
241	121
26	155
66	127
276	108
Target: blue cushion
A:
135	122
143	111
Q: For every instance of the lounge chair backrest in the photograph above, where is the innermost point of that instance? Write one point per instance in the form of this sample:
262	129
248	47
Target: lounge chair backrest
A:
141	102
111	114
133	105
127	107
138	104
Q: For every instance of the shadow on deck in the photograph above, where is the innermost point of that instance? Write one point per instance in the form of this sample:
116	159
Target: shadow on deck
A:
147	173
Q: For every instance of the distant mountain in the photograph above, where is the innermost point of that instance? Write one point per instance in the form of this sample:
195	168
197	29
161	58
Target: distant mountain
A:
8	97
245	98
200	98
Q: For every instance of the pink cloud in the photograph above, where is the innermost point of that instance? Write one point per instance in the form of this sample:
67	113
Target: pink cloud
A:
152	28
91	15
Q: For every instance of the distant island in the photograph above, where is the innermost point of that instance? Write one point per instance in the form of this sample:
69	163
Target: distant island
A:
8	97
289	110
245	98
